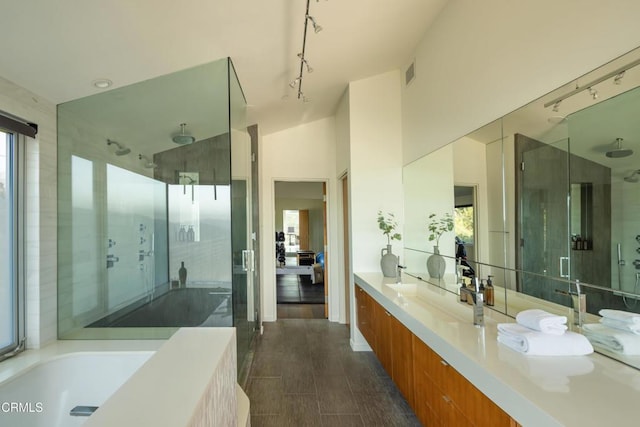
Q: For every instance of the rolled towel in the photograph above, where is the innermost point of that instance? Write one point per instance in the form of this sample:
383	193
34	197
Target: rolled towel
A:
542	321
622	316
623	326
536	343
611	339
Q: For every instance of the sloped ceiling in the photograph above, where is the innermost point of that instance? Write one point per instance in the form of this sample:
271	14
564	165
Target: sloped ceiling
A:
57	48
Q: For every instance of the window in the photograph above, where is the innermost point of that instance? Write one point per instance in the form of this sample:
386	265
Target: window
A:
11	296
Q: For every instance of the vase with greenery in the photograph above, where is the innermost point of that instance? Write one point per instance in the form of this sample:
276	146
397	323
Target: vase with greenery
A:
437	226
388	261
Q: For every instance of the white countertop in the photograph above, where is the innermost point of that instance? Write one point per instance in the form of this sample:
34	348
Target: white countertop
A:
537	391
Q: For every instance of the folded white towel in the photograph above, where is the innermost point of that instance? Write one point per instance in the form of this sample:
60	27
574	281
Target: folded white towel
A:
612	339
542	321
623	326
623	316
536	343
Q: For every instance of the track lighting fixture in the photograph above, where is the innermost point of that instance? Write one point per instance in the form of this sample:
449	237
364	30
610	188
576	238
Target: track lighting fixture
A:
617	75
317	28
294	82
303	61
556	106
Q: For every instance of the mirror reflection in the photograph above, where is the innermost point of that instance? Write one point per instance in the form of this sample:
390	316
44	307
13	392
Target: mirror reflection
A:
553	188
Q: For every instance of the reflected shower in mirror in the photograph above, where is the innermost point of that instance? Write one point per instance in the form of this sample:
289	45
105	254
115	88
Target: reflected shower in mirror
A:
557	183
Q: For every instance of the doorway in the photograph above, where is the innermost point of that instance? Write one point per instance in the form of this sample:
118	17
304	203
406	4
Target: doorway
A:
300	239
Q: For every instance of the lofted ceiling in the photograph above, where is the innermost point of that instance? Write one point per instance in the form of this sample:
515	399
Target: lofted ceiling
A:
56	49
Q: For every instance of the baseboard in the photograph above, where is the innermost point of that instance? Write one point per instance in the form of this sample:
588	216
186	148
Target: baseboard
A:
362	346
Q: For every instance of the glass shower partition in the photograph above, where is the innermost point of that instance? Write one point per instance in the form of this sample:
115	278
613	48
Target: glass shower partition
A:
245	293
154	231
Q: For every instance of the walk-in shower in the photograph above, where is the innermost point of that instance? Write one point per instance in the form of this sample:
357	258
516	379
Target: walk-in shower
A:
140	256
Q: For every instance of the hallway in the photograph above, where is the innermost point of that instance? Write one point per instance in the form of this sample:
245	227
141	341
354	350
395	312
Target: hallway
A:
305	374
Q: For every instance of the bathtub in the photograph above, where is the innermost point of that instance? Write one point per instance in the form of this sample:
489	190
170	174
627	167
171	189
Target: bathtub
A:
43	394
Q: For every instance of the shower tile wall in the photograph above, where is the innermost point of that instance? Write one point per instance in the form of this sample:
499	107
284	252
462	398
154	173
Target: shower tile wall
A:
41	220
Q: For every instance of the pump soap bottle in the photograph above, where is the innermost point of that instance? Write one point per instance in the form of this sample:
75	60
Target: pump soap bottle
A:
488	292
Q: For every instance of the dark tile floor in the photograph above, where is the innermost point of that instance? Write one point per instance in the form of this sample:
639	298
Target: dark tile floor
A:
301	311
305	374
298	289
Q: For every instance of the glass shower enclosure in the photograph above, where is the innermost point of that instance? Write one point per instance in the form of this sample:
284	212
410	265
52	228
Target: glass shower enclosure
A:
154	203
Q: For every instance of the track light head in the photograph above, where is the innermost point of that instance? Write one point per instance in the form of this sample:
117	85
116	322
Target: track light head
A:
593	93
316	27
294	82
617	80
306	63
556	106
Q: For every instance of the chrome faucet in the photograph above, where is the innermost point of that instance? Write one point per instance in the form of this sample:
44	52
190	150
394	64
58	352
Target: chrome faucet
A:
478	304
578	302
399	273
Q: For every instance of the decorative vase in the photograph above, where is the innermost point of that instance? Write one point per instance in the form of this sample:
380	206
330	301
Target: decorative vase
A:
182	275
436	264
388	262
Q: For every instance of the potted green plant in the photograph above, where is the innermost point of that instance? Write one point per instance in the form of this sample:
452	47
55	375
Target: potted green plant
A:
437	226
388	261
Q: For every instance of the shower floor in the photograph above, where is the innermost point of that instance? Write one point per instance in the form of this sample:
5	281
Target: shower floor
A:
177	308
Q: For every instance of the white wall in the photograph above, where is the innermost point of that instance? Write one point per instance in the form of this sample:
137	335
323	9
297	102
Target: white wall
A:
313	148
375	172
483	59
470	169
41	211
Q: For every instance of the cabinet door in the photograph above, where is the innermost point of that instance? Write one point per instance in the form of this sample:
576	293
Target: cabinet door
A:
383	331
402	358
422	384
361	309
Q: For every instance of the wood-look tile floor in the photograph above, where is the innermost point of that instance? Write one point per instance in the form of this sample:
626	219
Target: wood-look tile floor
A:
301	311
305	374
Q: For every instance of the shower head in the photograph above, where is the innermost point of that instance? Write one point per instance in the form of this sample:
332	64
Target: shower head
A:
633	177
619	152
182	138
121	150
148	163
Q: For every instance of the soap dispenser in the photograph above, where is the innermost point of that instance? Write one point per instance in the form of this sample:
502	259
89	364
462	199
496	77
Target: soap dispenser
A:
489	292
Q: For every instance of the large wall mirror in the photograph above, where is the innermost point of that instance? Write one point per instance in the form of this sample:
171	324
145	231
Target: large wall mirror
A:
555	193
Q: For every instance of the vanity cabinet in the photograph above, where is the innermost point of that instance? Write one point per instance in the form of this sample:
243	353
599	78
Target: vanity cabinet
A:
439	395
365	315
394	349
390	340
443	397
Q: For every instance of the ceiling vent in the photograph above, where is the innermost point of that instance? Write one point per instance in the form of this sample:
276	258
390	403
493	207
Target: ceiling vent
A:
410	73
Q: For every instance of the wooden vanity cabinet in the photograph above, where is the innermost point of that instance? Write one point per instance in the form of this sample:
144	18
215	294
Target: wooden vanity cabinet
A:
365	315
439	395
443	397
394	349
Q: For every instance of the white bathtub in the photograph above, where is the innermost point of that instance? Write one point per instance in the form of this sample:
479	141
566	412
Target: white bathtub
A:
43	395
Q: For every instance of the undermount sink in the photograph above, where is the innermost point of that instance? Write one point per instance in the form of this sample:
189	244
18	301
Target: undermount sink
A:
409	289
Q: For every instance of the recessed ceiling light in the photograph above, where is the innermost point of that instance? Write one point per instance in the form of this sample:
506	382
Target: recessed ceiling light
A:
102	83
